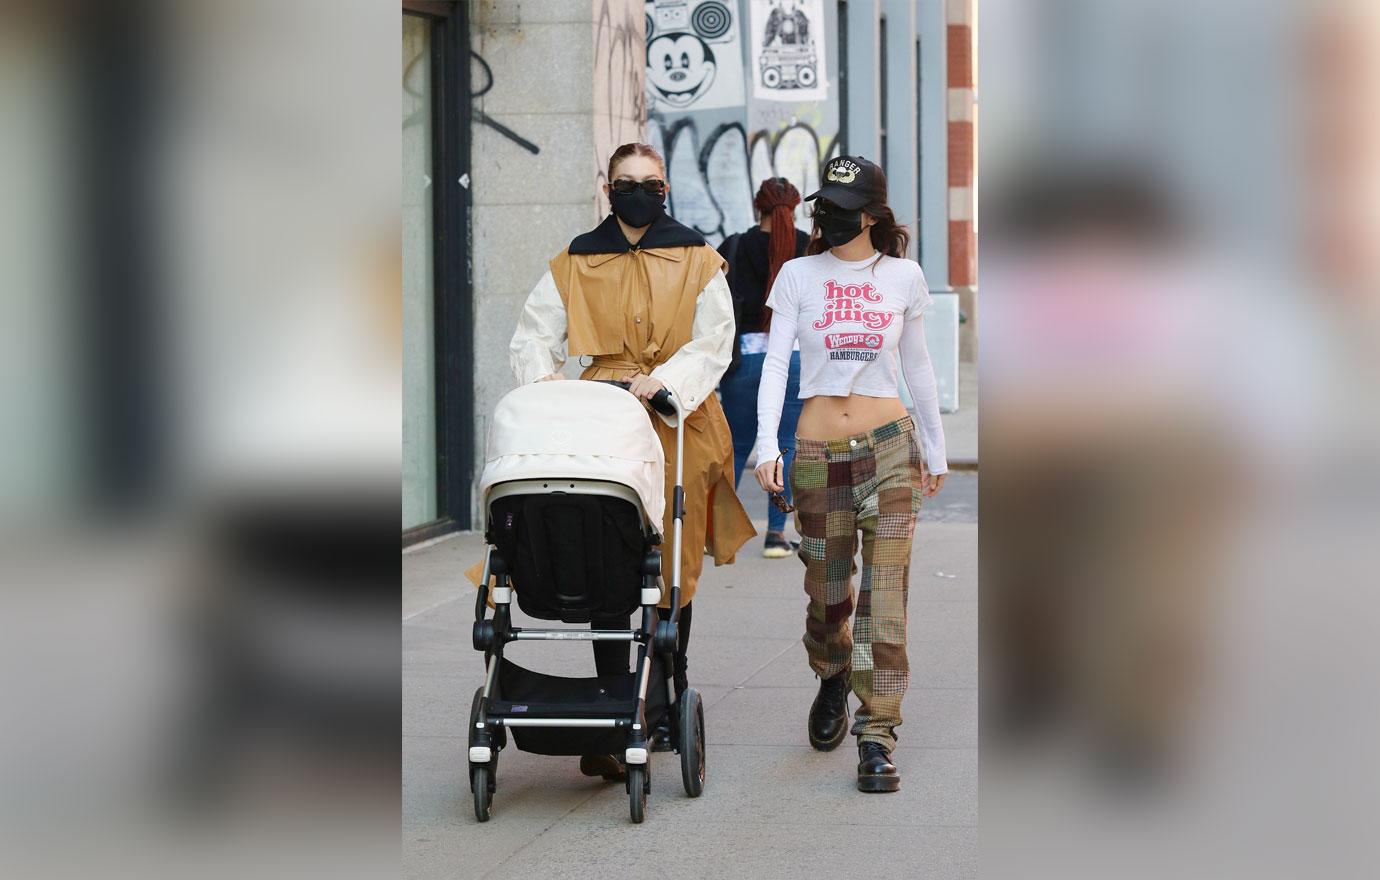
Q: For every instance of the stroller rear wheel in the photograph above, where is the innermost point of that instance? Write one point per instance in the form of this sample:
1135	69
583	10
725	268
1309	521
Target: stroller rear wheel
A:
690	724
637	792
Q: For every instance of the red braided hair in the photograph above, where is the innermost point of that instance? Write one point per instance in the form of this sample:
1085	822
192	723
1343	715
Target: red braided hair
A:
777	198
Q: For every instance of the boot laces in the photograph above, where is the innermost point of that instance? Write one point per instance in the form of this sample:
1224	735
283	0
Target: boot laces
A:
870	748
834	692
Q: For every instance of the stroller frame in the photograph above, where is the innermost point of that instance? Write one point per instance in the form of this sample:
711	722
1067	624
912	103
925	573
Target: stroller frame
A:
487	734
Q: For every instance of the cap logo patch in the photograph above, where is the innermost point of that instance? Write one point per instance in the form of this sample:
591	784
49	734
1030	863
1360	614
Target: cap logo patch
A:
842	171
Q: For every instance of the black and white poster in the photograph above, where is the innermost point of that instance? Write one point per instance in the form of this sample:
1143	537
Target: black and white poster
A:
694	55
788	50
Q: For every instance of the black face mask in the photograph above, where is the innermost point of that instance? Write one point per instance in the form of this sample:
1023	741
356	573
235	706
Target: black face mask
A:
637	208
839	227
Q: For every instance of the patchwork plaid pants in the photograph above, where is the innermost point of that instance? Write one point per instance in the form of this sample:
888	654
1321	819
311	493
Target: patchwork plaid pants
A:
870	484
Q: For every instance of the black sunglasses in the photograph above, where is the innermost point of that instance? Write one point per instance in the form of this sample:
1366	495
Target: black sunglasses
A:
777	499
652	186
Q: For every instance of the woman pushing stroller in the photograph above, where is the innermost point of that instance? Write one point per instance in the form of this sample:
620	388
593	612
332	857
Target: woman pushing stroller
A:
644	299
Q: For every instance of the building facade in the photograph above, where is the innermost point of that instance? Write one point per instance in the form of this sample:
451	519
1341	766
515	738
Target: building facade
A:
504	159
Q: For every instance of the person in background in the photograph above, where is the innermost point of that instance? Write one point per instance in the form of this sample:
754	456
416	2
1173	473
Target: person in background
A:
756	258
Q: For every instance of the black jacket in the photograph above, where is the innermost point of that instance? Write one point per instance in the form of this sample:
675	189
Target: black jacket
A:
608	237
747	280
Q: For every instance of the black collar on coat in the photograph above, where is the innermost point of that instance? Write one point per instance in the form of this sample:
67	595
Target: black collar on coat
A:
608	237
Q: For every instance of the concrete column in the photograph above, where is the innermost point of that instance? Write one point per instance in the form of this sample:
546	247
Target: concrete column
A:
934	142
864	87
902	171
547	61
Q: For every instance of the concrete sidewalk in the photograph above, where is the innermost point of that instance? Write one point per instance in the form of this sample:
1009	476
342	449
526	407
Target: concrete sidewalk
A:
772	807
961	428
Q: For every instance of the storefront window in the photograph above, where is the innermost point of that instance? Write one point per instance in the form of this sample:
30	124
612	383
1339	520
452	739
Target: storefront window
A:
419	465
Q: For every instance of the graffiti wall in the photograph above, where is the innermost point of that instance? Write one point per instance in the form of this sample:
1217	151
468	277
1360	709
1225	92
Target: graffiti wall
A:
620	109
787	40
694	55
719	143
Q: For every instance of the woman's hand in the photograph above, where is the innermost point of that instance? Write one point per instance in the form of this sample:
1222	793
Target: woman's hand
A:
643	387
769	476
551	377
931	483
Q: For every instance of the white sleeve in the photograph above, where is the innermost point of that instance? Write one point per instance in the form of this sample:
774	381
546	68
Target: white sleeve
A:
538	346
771	392
924	393
693	372
920	299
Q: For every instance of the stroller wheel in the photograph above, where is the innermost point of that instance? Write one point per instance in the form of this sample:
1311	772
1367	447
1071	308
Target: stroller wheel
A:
637	792
480	781
690	726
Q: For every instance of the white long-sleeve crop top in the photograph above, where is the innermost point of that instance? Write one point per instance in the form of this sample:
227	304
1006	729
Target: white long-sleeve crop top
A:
854	321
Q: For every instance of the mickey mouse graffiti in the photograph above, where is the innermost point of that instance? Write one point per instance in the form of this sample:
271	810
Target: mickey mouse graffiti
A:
681	38
680	67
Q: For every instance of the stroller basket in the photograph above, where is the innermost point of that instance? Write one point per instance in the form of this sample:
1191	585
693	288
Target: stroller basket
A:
534	694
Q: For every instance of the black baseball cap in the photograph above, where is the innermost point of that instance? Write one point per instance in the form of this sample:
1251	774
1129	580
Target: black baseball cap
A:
851	182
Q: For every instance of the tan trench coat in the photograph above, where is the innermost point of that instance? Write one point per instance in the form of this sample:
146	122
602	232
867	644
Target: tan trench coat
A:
630	312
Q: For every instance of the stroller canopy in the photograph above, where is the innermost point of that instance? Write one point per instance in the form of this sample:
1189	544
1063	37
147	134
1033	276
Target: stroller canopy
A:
576	430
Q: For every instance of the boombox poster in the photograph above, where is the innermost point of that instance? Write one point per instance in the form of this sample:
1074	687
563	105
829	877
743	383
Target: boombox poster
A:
694	55
788	50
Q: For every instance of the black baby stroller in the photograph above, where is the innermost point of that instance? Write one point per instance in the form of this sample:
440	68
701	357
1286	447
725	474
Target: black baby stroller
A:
573	490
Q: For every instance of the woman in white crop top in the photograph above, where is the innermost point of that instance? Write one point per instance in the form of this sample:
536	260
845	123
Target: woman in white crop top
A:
854	304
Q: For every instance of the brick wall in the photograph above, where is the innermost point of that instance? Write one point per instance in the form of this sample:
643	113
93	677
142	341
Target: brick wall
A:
962	162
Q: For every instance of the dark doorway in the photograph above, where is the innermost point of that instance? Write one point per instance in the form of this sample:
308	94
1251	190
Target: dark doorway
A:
438	346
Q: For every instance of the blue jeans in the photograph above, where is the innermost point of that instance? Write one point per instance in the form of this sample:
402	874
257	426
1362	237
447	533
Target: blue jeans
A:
739	392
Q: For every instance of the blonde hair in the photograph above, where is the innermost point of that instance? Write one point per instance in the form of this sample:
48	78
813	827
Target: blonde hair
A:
629	150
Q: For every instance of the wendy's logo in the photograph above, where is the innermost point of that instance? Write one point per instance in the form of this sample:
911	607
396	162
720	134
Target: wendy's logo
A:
846	304
871	341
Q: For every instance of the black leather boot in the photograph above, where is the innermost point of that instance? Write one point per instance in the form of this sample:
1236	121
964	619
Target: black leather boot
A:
829	714
875	770
606	766
661	731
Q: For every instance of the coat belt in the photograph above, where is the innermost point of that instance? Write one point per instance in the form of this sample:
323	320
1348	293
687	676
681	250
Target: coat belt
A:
617	363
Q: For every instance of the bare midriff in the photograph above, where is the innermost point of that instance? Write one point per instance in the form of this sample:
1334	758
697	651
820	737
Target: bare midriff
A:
833	418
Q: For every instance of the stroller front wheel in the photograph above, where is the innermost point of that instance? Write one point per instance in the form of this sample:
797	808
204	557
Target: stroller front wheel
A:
637	792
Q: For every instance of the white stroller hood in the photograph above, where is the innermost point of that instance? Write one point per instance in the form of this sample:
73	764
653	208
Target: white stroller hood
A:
576	430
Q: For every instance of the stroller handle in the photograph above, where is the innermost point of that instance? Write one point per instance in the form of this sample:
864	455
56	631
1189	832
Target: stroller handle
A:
661	401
